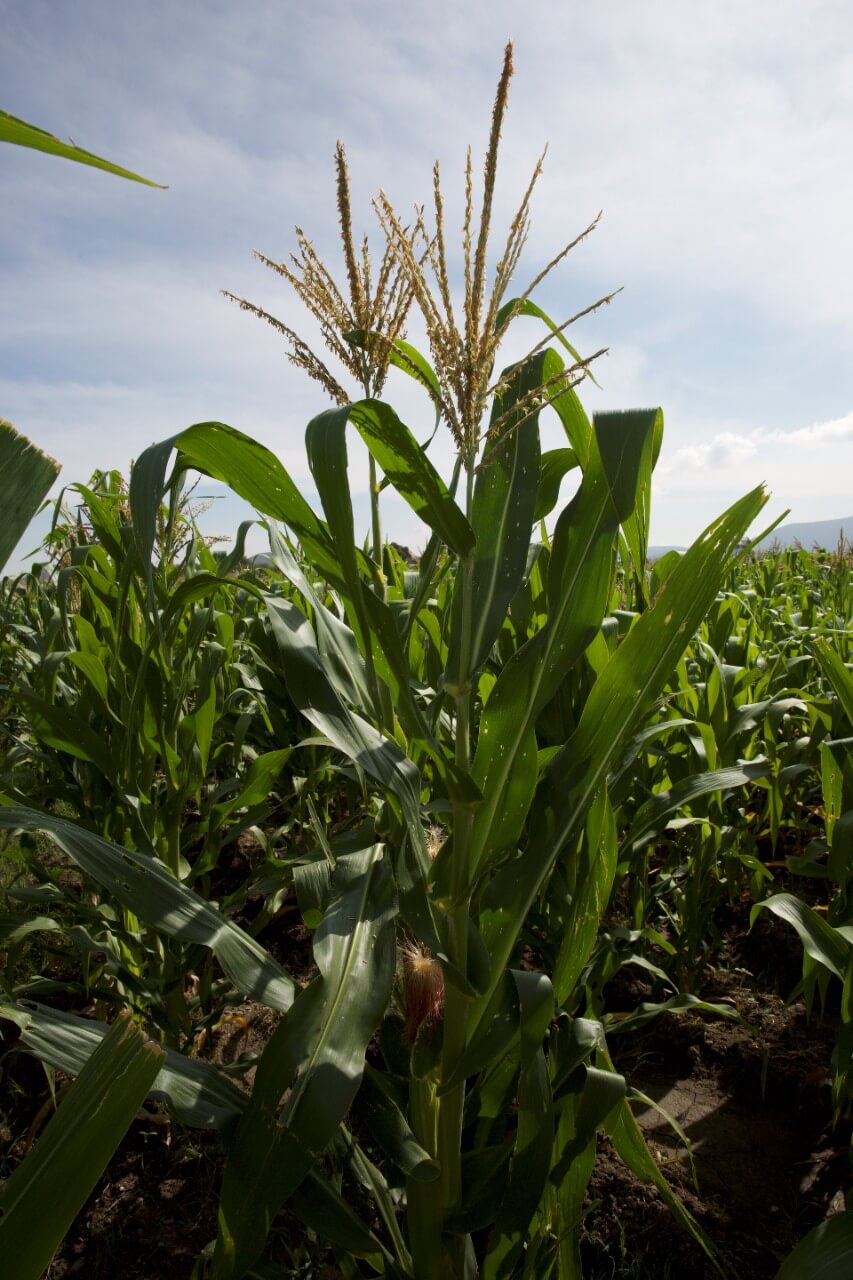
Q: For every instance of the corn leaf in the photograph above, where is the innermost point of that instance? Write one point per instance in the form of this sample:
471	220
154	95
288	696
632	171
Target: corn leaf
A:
575	423
621	696
556	463
21	134
388	1128
322	1208
63	729
378	756
838	676
318	1053
655	813
823	943
402	355
46	1191
196	1091
411	473
534	1139
592	871
26	474
636	527
826	1253
325	444
635	674
505	765
145	887
530	308
626	1136
248	467
502	516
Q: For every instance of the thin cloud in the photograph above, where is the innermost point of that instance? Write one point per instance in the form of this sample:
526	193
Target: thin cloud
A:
728	449
716	140
732	449
820	433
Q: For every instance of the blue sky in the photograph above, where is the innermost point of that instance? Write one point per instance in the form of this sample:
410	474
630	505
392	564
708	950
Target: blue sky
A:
715	136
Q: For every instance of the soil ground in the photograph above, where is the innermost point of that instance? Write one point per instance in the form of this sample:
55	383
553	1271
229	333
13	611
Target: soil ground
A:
763	1164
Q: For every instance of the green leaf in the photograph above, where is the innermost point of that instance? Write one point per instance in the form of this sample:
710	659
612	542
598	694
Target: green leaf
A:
654	814
837	675
325	442
322	1209
625	1134
662	568
145	887
21	134
67	732
94	671
823	943
14	926
502	516
254	788
495	1034
556	463
637	671
576	424
602	1091
343	660
592	881
26	474
644	1013
505	765
636	527
318	1053
402	356
411	473
572	1042
203	722
377	629
407	358
531	1160
44	1194
530	308
196	1091
484	1174
387	1127
618	702
826	1253
378	756
249	468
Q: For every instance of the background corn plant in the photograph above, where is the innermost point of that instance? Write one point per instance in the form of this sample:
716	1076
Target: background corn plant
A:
147	720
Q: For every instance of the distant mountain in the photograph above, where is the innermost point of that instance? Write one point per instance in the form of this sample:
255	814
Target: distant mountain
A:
811	533
655	553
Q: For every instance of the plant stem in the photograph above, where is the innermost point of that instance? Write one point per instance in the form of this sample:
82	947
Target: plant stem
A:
376	524
457	1006
424	1209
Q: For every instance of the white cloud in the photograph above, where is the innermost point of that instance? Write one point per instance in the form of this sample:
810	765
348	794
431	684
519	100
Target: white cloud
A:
732	449
728	449
820	433
806	470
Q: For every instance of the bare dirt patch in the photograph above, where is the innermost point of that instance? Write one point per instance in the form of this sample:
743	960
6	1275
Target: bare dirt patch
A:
761	1165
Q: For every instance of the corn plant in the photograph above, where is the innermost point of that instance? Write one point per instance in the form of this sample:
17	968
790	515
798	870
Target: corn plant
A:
430	1101
827	945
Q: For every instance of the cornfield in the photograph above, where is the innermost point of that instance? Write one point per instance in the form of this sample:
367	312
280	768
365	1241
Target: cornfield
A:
424	812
